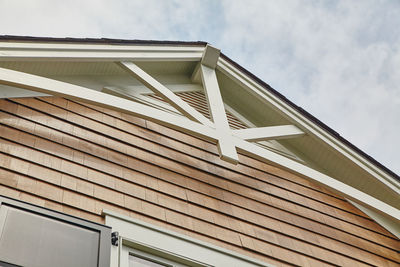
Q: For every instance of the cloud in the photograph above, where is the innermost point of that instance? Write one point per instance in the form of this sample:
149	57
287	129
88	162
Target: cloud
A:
340	60
150	19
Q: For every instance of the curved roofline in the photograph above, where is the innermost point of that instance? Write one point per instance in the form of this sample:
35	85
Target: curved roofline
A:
202	43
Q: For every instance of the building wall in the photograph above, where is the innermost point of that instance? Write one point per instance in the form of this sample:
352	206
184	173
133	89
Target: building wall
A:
79	159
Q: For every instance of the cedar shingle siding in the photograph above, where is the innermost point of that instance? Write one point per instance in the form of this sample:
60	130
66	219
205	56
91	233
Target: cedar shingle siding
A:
79	159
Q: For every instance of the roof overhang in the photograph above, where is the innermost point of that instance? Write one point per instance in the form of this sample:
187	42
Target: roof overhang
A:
27	49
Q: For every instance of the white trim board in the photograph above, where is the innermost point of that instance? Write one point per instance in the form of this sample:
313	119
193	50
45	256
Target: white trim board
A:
23	51
216	107
167	94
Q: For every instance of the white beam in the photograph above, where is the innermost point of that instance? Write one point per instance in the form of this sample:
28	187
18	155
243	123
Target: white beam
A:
226	146
268	133
167	94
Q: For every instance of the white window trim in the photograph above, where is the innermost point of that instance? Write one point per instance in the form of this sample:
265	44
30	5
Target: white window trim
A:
160	241
155	254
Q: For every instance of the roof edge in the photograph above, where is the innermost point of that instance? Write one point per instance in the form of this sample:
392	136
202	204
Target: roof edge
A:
100	40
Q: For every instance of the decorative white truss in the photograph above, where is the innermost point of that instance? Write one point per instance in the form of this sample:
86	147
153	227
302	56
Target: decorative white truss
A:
225	142
193	122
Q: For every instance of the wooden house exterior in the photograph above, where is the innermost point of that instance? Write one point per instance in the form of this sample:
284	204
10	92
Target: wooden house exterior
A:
173	149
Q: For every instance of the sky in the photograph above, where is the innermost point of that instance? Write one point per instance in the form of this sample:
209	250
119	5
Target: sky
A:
339	60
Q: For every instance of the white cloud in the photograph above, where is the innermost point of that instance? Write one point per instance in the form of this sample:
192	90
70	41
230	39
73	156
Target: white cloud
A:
340	60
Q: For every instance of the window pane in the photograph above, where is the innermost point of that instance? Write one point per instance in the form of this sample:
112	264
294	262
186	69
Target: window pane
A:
139	262
29	239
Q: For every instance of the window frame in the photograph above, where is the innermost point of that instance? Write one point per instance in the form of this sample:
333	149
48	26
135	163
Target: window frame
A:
157	255
104	231
158	241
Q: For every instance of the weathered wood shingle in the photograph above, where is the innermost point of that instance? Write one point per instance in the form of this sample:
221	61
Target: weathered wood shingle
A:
79	159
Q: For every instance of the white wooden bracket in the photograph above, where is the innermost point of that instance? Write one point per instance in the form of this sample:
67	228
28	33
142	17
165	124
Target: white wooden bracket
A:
226	146
164	92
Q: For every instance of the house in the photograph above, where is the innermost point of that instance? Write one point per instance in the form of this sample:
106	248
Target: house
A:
159	153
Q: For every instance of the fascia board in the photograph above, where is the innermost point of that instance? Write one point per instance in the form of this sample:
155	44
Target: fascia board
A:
109	47
305	124
97	52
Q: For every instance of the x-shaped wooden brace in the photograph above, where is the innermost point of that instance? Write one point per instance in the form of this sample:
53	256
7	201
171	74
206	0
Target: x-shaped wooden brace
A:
225	140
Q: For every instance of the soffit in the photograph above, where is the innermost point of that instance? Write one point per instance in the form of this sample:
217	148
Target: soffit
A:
66	68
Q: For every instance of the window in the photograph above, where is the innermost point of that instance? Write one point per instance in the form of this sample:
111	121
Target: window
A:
34	236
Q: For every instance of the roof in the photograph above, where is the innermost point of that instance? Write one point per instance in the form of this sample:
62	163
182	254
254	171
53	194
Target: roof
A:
202	43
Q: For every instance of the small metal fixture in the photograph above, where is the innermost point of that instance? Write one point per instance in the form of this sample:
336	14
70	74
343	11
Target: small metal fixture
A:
114	238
